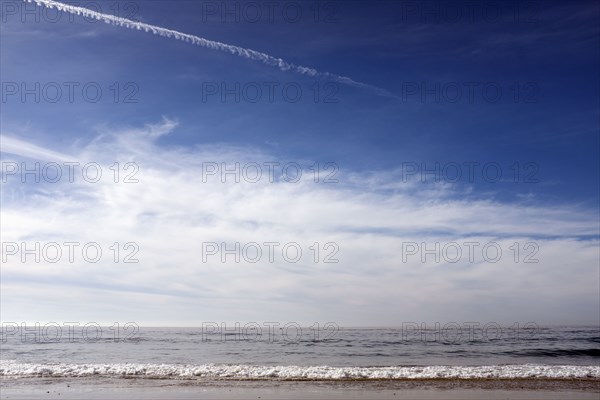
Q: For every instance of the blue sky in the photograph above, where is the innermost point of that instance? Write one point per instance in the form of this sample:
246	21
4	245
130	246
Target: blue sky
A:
548	54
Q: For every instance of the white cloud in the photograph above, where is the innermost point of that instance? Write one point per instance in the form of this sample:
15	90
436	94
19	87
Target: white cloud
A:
171	212
13	145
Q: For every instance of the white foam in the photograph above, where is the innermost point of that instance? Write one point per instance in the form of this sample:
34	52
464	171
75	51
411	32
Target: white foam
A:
14	369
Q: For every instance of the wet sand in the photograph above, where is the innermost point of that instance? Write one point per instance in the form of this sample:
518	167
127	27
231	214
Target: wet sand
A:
131	388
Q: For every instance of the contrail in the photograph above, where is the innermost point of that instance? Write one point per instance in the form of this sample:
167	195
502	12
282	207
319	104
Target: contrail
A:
211	44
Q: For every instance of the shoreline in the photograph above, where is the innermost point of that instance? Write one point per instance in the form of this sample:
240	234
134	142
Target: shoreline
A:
162	389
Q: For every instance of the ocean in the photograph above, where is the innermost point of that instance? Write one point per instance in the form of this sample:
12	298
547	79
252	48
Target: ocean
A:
267	351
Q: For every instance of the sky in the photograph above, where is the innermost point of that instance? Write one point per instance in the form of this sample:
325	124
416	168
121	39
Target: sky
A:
428	161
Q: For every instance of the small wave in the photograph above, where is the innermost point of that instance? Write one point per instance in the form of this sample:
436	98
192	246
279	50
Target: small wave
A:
558	353
178	371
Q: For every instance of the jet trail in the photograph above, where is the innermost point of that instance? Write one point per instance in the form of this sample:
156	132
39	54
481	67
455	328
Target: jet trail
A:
211	44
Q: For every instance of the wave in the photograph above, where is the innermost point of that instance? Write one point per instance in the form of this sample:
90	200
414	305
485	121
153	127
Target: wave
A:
558	353
241	372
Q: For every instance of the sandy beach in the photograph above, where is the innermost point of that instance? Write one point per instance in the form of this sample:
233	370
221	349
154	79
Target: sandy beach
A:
54	388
